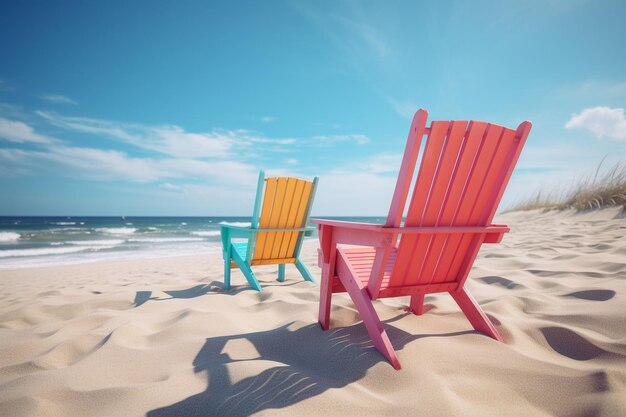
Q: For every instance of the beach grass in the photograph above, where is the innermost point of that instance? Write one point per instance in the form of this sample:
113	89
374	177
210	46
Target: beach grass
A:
599	191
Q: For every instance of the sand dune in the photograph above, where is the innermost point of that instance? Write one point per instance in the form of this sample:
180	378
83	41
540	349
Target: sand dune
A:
161	337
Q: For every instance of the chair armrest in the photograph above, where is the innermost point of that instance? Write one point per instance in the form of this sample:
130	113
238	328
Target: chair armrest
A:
229	231
380	228
352	233
348	225
246	231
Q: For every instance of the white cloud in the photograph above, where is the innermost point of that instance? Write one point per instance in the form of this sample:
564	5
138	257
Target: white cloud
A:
267	119
57	98
601	121
174	141
104	164
168	140
20	132
172	187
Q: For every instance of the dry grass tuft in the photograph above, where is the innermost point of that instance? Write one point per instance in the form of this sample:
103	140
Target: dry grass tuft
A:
607	190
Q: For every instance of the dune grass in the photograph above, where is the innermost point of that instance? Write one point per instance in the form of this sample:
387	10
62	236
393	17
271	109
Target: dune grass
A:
599	191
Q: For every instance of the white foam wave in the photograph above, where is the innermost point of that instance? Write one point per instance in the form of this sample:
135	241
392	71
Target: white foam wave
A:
9	236
65	223
66	229
167	239
49	251
206	233
153	228
183	224
103	242
243	224
117	230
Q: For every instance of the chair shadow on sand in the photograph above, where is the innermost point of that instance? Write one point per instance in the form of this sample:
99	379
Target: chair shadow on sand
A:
214	287
312	361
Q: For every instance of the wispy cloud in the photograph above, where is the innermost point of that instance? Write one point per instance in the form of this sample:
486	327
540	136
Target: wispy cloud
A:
267	119
19	132
365	34
199	165
106	164
349	32
173	187
174	141
56	98
168	140
603	122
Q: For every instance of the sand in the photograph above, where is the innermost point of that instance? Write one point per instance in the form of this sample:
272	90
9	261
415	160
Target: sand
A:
161	337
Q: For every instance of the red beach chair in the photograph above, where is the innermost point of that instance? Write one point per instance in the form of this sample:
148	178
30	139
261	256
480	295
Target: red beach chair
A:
464	170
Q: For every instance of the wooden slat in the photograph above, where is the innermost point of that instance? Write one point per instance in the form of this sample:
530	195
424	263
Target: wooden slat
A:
292	219
427	172
418	289
273	261
300	218
281	185
407	168
283	216
266	211
521	134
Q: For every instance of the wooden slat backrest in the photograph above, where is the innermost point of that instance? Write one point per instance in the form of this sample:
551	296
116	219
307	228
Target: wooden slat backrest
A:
286	204
463	173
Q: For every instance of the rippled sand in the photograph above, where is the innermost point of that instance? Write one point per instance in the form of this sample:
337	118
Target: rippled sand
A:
161	337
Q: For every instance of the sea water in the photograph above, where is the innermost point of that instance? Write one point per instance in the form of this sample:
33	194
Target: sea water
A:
44	241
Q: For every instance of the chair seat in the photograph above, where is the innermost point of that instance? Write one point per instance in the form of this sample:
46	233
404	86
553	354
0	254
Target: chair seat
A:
361	261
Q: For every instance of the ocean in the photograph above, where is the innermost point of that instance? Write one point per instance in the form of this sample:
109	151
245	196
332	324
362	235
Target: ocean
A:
44	241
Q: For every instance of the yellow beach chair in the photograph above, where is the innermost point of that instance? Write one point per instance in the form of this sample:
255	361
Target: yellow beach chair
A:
276	232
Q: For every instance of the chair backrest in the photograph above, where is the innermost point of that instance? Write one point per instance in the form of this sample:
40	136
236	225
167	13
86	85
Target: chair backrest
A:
464	171
286	204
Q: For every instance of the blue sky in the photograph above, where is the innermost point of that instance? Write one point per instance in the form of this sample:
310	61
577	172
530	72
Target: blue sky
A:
171	108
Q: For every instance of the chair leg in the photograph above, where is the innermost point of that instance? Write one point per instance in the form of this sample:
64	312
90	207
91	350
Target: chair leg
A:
475	314
374	327
281	272
326	292
247	271
304	270
417	304
226	272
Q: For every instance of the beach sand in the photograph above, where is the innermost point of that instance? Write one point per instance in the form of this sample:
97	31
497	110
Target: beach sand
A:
160	337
